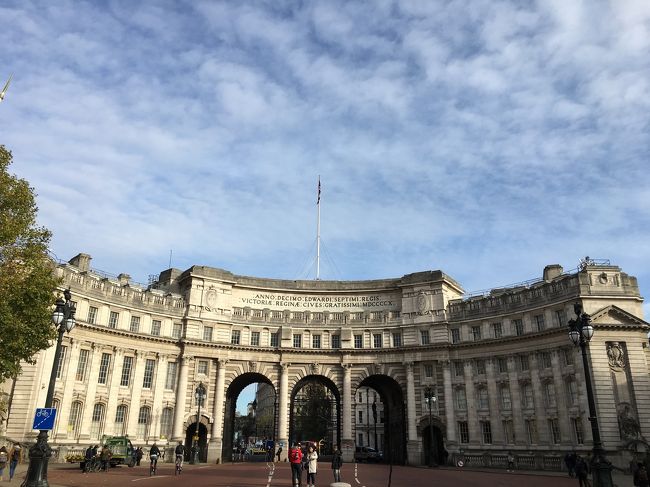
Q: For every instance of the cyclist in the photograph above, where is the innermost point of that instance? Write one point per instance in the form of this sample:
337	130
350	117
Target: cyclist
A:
154	453
180	453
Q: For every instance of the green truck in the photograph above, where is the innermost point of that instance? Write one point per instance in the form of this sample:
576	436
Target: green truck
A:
122	450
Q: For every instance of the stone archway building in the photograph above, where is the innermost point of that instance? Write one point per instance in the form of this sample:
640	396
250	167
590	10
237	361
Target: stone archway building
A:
503	370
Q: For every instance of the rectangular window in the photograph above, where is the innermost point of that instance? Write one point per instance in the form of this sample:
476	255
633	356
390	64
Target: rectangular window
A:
577	430
377	340
275	339
572	392
479	367
476	333
92	315
560	316
135	324
463	431
539	322
545	360
459	368
503	365
554	428
523	363
255	338
127	365
486	431
207	333
360	417
506	403
568	356
59	366
549	395
235	337
315	341
336	341
527	396
155	327
508	432
483	401
531	431
202	367
428	370
297	341
170	380
103	368
360	442
424	337
177	330
519	327
81	365
73	419
148	373
114	319
460	398
455	335
497	330
358	341
397	339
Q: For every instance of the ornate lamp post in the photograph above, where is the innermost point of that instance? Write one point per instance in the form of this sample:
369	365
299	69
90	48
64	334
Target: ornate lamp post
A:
39	454
430	397
199	395
580	332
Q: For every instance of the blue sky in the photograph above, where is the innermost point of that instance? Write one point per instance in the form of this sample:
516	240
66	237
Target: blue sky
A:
485	138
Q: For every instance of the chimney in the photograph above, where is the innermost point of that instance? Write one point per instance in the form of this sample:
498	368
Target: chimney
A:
552	271
81	262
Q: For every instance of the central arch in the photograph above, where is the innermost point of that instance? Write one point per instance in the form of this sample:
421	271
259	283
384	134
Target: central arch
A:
392	398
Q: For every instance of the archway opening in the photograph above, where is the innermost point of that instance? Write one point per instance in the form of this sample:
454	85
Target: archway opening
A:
433	445
250	419
380	396
190	439
315	414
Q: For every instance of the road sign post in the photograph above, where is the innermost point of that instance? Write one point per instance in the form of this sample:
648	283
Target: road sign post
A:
44	419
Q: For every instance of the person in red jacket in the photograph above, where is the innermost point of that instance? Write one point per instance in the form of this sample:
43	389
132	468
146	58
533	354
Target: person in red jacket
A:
295	457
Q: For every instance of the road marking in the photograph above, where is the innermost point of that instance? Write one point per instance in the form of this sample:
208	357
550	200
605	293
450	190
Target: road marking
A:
356	477
271	472
150	478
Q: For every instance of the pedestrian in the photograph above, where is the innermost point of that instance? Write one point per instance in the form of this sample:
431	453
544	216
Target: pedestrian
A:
582	472
14	458
4	458
105	456
88	459
570	462
641	476
511	462
278	453
312	464
295	458
138	456
337	463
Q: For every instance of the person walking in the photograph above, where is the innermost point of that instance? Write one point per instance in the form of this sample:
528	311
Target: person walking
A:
337	463
295	458
312	465
278	453
105	457
641	476
138	456
511	462
582	472
88	459
570	462
4	458
14	458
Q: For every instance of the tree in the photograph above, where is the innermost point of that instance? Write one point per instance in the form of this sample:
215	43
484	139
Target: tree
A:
313	412
27	280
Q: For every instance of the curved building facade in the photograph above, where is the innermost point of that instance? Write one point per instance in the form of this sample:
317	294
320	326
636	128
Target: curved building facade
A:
504	375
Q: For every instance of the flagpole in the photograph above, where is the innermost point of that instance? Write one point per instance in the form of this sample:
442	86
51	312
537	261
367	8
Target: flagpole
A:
318	235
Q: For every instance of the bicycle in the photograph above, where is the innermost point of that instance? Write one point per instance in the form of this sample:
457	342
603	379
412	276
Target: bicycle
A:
179	464
154	463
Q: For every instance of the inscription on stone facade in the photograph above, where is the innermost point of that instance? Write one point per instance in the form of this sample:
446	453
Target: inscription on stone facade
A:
379	301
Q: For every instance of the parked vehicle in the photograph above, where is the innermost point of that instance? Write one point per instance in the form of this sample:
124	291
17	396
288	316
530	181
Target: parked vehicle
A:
366	454
122	449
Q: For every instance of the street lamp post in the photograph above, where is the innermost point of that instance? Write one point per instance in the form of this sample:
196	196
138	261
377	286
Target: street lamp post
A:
39	454
580	332
431	398
199	395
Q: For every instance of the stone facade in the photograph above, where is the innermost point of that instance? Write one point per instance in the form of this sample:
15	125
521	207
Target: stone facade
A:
505	375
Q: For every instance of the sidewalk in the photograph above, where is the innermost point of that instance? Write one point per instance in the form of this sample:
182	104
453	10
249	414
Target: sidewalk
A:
620	479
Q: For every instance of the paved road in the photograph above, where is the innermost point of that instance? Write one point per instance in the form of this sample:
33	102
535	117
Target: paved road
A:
278	475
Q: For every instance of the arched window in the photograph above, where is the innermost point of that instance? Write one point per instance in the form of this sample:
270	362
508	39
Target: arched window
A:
74	418
120	419
56	404
97	422
143	422
166	420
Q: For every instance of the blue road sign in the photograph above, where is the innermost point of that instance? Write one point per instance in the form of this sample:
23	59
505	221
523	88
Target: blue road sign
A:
44	419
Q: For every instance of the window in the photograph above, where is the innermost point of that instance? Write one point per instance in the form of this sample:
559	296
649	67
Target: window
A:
483	401
81	365
120	419
539	322
97	420
519	327
455	335
497	330
479	367
531	431
360	397
103	368
572	392
56	404
59	367
508	432
336	341
568	356
207	334
255	338
503	365
170	380
549	395
560	316
275	339
73	419
177	330
113	319
92	315
155	327
397	339
358	341
554	428
166	421
459	368
202	367
235	337
460	398
428	370
424	337
360	442
315	341
143	422
476	333
135	324
545	360
148	373
377	340
297	341
486	431
577	430
360	417
506	403
463	431
527	396
523	363
126	371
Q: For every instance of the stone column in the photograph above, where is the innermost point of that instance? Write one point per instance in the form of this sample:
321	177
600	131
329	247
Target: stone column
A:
540	408
215	447
92	374
561	400
515	398
283	411
159	387
115	371
494	392
347	441
181	397
450	415
136	392
412	446
472	403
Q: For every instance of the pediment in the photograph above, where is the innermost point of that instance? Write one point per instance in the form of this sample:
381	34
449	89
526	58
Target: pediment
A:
612	315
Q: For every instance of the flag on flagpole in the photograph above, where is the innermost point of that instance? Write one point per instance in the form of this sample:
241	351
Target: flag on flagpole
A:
318	200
